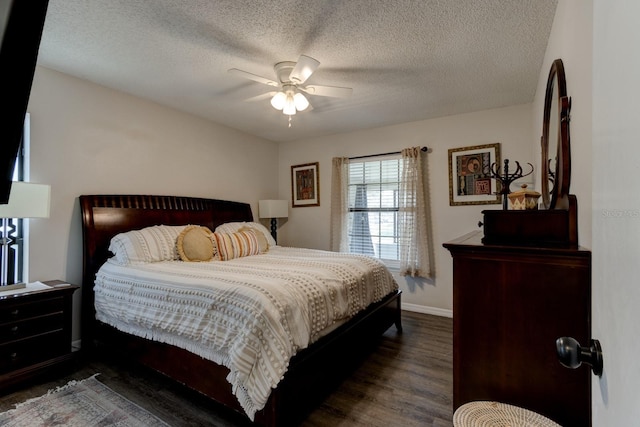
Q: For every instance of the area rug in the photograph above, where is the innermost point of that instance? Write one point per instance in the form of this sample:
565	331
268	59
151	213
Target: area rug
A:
79	404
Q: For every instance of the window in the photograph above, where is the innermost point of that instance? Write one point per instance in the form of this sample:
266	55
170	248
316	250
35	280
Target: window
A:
380	207
373	207
15	226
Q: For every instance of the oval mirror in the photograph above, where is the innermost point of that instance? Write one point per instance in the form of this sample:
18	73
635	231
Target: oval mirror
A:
556	158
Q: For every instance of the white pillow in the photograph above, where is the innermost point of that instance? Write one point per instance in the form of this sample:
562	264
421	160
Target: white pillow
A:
151	244
232	227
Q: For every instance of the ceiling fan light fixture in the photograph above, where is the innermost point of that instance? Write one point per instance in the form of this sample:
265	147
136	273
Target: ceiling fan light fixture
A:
289	105
291	76
300	101
279	100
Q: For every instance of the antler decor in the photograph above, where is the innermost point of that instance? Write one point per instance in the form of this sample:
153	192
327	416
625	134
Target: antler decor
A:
507	178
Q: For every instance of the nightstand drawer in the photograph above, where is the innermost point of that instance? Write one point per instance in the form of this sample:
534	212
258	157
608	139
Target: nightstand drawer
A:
24	310
32	350
21	329
35	331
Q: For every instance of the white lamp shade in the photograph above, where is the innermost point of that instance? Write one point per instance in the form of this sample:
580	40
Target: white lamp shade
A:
273	208
300	101
27	200
278	100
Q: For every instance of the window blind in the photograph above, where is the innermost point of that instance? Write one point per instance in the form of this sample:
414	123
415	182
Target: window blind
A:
373	206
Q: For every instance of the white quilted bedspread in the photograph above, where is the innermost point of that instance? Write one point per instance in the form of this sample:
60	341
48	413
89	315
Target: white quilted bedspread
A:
249	314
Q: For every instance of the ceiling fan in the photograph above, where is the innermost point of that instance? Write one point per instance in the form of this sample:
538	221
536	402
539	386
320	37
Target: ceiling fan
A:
291	78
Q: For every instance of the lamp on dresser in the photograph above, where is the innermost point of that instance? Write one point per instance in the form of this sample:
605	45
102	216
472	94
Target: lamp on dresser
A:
273	209
27	200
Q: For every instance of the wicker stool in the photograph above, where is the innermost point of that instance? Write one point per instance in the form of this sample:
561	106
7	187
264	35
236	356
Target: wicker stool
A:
496	414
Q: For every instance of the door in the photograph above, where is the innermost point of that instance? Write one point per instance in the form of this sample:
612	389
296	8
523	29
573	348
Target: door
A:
616	210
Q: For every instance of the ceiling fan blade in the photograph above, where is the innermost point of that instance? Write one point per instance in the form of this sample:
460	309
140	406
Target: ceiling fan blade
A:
333	91
261	97
305	66
253	77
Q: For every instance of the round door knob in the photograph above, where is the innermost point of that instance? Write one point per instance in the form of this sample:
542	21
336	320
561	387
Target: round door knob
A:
572	355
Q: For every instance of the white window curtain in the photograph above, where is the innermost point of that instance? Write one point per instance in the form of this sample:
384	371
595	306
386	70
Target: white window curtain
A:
339	235
415	256
416	247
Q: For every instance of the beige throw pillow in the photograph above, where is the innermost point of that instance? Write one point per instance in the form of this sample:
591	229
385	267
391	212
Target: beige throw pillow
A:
262	239
195	244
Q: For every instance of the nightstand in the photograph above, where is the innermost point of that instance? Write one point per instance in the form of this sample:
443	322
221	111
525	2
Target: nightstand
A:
35	330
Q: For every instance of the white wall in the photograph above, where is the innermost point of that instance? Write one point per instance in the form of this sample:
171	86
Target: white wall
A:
87	139
571	40
309	226
616	210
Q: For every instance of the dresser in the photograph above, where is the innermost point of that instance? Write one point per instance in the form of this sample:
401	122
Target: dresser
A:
35	331
510	304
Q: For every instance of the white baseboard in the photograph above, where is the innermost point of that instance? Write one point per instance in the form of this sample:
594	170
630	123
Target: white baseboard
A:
427	310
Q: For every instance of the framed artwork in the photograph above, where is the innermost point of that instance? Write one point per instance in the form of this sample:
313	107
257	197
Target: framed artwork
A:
470	181
305	187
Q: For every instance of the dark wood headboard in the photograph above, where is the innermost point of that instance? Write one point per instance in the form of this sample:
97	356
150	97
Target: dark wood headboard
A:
104	216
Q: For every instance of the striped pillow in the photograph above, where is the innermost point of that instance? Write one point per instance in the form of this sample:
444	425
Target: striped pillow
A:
151	244
262	240
236	245
232	227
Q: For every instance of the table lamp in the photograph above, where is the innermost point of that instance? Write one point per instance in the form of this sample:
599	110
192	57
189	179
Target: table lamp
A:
273	209
26	200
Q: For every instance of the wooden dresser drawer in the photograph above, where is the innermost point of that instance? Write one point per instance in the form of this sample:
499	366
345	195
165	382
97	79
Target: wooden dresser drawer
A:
38	348
32	326
24	310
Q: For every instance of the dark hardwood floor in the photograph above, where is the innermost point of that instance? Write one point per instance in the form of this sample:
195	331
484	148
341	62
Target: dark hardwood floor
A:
406	382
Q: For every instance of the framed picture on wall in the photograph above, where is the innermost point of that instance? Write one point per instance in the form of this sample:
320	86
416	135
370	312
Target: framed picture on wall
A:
470	181
305	187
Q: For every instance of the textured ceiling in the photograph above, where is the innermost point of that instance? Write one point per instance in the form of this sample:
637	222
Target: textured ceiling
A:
405	60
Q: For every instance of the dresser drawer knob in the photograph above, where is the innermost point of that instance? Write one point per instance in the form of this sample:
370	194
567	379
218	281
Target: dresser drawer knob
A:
14	330
13	356
15	312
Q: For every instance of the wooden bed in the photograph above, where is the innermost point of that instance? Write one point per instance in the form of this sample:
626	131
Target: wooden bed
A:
312	373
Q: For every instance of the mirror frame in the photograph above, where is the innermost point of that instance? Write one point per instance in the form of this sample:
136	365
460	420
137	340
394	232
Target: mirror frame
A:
558	196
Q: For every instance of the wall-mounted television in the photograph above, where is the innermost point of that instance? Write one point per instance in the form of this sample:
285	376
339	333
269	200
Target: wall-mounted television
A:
21	24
